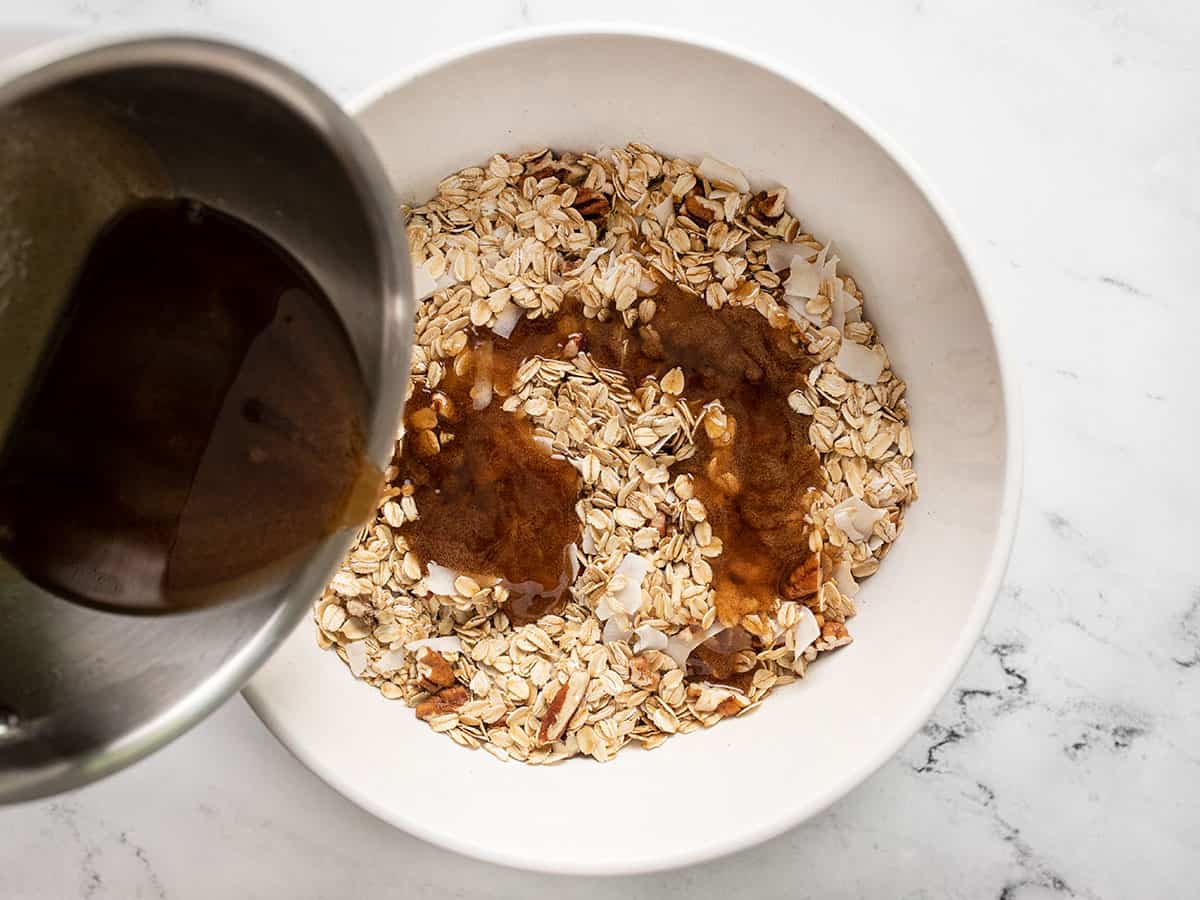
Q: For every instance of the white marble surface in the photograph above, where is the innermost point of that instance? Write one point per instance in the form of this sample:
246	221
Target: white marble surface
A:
1066	762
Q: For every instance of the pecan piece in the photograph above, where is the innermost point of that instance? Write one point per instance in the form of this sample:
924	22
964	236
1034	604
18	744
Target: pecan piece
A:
642	673
444	701
835	634
722	700
803	580
768	205
728	707
591	204
562	707
434	670
699	209
659	524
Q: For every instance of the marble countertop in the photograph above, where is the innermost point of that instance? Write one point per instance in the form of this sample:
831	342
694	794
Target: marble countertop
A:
1066	761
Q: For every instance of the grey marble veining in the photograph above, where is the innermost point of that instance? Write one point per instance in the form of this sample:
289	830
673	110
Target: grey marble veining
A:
1066	760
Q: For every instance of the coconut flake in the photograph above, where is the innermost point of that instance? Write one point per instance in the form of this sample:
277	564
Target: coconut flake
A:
481	390
446	279
856	518
390	661
845	580
804	280
440	580
613	632
806	630
424	284
662	212
681	645
506	320
634	568
649	638
592	255
829	267
823	255
723	174
778	630
797	310
447	644
356	657
587	543
780	255
528	590
837	312
859	363
845	306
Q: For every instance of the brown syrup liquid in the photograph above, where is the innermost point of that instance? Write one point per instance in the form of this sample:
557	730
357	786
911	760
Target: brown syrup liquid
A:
197	422
492	502
506	510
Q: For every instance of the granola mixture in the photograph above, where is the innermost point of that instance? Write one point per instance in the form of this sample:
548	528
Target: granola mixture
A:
639	646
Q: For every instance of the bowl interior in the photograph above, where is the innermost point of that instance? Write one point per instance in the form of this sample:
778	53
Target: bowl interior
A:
713	791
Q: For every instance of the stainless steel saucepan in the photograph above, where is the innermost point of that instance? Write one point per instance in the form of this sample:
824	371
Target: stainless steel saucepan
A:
84	692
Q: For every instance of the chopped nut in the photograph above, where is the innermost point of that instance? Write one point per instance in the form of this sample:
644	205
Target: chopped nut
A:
729	707
444	701
434	670
803	581
591	205
425	418
768	205
700	209
562	707
426	443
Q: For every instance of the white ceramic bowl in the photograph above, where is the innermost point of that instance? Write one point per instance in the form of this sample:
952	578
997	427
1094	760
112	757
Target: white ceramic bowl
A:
711	792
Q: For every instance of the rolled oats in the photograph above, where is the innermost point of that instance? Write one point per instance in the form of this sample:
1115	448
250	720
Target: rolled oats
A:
521	236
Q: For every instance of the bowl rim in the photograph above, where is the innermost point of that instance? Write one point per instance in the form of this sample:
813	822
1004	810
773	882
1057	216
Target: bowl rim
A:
942	678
